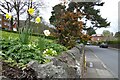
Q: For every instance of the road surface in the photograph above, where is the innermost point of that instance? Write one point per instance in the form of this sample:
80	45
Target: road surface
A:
108	56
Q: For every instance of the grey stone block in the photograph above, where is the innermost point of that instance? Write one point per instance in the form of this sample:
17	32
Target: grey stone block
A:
0	68
66	65
4	78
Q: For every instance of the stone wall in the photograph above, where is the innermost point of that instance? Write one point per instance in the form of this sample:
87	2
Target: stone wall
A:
69	64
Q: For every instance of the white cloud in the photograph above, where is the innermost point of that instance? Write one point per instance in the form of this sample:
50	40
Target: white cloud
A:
110	11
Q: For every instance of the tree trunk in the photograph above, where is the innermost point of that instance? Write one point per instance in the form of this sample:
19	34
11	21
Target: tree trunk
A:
18	21
18	16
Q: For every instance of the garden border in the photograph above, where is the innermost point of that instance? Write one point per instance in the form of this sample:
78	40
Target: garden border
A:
69	64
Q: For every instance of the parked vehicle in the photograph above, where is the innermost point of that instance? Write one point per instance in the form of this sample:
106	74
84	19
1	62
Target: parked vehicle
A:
103	45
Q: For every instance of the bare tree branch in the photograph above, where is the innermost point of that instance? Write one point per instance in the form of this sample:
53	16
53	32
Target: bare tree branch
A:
2	11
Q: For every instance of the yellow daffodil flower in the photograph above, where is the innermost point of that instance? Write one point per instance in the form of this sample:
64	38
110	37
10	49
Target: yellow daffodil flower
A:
46	32
31	11
37	20
8	16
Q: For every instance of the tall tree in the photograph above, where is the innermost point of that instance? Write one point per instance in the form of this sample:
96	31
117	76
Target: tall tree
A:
71	21
91	31
17	7
117	34
11	6
107	35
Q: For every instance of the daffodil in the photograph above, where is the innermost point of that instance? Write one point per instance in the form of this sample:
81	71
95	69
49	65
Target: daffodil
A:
8	16
46	32
31	11
37	20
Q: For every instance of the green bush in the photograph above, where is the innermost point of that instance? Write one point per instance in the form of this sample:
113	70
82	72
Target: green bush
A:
17	54
59	48
19	50
113	42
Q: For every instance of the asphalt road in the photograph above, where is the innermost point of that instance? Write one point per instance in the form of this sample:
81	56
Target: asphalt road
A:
108	56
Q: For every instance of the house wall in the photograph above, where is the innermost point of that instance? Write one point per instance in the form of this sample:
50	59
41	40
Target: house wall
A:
97	38
4	23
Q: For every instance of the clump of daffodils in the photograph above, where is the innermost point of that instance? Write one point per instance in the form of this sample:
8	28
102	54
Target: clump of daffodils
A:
31	12
49	52
46	32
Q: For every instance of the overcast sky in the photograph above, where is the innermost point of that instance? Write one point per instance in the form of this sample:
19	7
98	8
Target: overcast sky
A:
109	11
